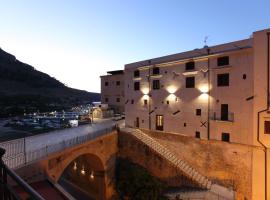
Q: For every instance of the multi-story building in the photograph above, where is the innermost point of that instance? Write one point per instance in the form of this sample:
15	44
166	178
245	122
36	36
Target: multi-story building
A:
213	93
112	90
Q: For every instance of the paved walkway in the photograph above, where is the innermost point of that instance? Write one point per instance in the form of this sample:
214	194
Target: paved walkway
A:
33	143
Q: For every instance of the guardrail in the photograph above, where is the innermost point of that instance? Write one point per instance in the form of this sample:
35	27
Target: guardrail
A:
19	157
6	191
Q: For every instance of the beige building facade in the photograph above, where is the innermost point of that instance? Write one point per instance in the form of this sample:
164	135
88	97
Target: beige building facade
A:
218	93
112	90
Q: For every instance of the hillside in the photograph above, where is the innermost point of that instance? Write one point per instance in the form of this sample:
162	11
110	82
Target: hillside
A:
25	89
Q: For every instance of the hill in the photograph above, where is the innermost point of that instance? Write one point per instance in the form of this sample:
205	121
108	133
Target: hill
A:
23	89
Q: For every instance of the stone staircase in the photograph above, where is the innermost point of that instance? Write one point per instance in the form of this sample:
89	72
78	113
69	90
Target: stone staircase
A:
202	181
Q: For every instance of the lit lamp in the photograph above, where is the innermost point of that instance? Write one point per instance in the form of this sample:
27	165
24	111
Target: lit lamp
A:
83	171
204	91
75	166
92	175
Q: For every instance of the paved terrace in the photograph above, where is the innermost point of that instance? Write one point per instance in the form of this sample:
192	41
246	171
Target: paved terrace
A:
26	150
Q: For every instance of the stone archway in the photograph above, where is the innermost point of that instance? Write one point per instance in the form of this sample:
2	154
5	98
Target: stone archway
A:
87	173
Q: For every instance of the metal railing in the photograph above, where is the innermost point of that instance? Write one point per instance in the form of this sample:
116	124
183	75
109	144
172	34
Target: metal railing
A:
6	191
21	157
227	118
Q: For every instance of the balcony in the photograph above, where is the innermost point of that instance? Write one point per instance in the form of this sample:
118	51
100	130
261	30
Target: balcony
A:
222	118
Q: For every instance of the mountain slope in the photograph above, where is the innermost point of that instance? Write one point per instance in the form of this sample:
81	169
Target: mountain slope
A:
24	89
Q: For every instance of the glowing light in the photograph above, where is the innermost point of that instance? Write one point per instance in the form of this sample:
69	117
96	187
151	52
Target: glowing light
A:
92	175
204	88
204	96
171	97
172	89
145	90
83	171
75	166
145	97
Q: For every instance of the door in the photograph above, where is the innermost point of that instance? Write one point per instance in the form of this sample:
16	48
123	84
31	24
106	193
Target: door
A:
224	112
137	122
159	122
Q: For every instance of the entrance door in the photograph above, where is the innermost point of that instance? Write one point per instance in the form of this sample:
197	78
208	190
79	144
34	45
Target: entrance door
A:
224	112
159	122
137	122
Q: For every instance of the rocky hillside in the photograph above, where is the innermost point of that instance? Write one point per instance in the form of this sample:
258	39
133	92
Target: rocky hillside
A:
25	89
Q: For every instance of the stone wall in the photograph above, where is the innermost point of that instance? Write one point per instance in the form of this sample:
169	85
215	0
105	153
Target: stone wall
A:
135	151
224	163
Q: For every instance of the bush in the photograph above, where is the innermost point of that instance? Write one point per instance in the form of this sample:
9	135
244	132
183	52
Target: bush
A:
136	183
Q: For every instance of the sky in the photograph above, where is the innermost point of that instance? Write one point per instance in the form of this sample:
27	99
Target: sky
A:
77	41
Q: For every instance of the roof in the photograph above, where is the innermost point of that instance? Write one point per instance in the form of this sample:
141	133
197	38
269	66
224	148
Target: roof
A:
196	53
115	72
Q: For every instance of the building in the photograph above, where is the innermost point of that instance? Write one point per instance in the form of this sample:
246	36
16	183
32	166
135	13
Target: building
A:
112	90
213	93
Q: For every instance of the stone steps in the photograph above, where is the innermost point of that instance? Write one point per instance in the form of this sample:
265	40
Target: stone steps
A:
180	164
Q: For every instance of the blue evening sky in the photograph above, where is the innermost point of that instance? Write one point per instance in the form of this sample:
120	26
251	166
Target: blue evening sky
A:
76	41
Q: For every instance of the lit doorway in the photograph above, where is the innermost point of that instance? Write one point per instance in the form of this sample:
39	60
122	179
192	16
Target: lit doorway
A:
159	122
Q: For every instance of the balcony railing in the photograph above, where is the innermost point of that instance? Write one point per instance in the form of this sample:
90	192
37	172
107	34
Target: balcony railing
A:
7	175
223	118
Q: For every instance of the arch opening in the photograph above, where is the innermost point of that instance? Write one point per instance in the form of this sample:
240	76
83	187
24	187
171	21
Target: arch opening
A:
84	178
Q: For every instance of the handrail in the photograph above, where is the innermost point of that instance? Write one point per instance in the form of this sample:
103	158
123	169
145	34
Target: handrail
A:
7	193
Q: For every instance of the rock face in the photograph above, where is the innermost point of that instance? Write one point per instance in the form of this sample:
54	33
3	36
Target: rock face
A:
24	89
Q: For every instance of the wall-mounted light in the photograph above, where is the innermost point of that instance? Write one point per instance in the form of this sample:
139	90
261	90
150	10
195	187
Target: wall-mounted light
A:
83	171
92	175
75	166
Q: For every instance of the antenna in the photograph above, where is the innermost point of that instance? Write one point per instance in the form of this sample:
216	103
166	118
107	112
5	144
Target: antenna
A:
205	41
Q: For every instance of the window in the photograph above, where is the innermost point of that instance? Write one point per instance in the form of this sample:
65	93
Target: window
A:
106	83
224	112
136	85
267	127
244	76
132	101
223	80
145	102
118	99
136	73
155	70
222	61
197	134
225	137
190	65
198	112
106	99
156	85
190	82
117	82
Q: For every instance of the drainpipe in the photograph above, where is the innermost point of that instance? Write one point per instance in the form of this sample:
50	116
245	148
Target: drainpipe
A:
149	95
208	99
258	120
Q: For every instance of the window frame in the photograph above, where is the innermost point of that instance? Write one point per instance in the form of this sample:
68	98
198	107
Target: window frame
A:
156	84
223	61
137	86
190	66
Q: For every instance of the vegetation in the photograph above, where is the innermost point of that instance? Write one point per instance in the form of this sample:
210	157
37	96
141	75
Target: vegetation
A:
135	183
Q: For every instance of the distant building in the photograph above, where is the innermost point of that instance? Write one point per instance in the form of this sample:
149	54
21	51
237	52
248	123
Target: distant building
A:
112	90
